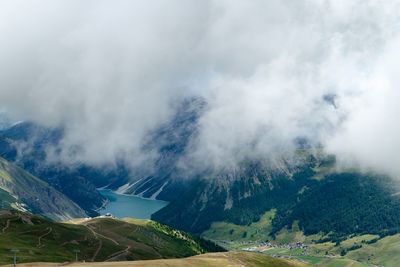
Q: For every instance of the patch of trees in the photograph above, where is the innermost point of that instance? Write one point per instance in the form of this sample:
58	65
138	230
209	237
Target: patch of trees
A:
344	251
208	245
344	204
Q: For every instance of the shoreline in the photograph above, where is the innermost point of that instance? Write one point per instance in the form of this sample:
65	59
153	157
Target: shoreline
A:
130	195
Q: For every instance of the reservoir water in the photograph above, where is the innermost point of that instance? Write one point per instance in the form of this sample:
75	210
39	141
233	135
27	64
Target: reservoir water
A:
130	206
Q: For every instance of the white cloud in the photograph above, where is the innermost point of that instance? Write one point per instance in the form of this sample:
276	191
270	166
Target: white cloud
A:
111	71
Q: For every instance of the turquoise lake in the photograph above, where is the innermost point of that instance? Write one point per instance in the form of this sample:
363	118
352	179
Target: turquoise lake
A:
130	206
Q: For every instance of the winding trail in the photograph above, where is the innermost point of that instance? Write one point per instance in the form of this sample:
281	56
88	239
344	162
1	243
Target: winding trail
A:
100	242
97	250
115	255
8	223
96	235
108	238
40	237
6	227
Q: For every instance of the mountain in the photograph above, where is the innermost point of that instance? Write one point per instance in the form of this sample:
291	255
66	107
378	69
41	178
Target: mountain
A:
304	188
311	192
240	195
4	121
346	203
164	179
25	144
21	190
98	239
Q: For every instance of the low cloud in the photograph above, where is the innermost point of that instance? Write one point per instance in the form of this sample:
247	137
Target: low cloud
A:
110	72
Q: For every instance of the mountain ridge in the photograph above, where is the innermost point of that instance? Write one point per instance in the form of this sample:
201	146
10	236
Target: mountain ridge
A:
98	239
36	195
240	194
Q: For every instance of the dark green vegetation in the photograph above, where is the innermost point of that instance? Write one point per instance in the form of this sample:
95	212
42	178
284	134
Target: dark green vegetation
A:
241	195
310	192
344	204
99	239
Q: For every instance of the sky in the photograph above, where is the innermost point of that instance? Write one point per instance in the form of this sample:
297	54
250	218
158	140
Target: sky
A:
110	72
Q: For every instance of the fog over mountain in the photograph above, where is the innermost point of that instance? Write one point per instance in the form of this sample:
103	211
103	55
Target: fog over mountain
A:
110	72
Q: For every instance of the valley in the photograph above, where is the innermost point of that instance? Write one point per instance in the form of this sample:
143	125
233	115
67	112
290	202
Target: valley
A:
316	250
200	133
299	208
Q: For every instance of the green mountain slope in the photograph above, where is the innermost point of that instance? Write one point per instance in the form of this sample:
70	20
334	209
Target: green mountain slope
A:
346	203
21	190
385	252
99	239
311	191
319	250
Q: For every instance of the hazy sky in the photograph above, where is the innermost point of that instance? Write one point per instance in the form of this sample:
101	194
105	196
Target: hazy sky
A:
270	71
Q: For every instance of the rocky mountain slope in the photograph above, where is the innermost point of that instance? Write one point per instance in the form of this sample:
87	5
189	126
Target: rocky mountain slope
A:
21	190
25	144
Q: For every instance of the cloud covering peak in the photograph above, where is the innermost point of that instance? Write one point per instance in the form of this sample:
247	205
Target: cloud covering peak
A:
110	72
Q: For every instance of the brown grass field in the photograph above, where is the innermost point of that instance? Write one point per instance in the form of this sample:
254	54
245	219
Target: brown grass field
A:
231	259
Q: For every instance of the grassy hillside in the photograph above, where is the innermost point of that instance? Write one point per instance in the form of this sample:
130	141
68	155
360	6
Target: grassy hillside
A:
210	260
99	239
233	236
364	250
320	250
384	252
259	230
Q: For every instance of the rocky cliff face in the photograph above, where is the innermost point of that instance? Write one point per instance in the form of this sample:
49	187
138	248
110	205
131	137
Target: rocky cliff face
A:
36	195
25	145
163	178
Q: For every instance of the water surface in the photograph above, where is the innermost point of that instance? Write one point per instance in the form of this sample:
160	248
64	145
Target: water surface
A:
130	206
